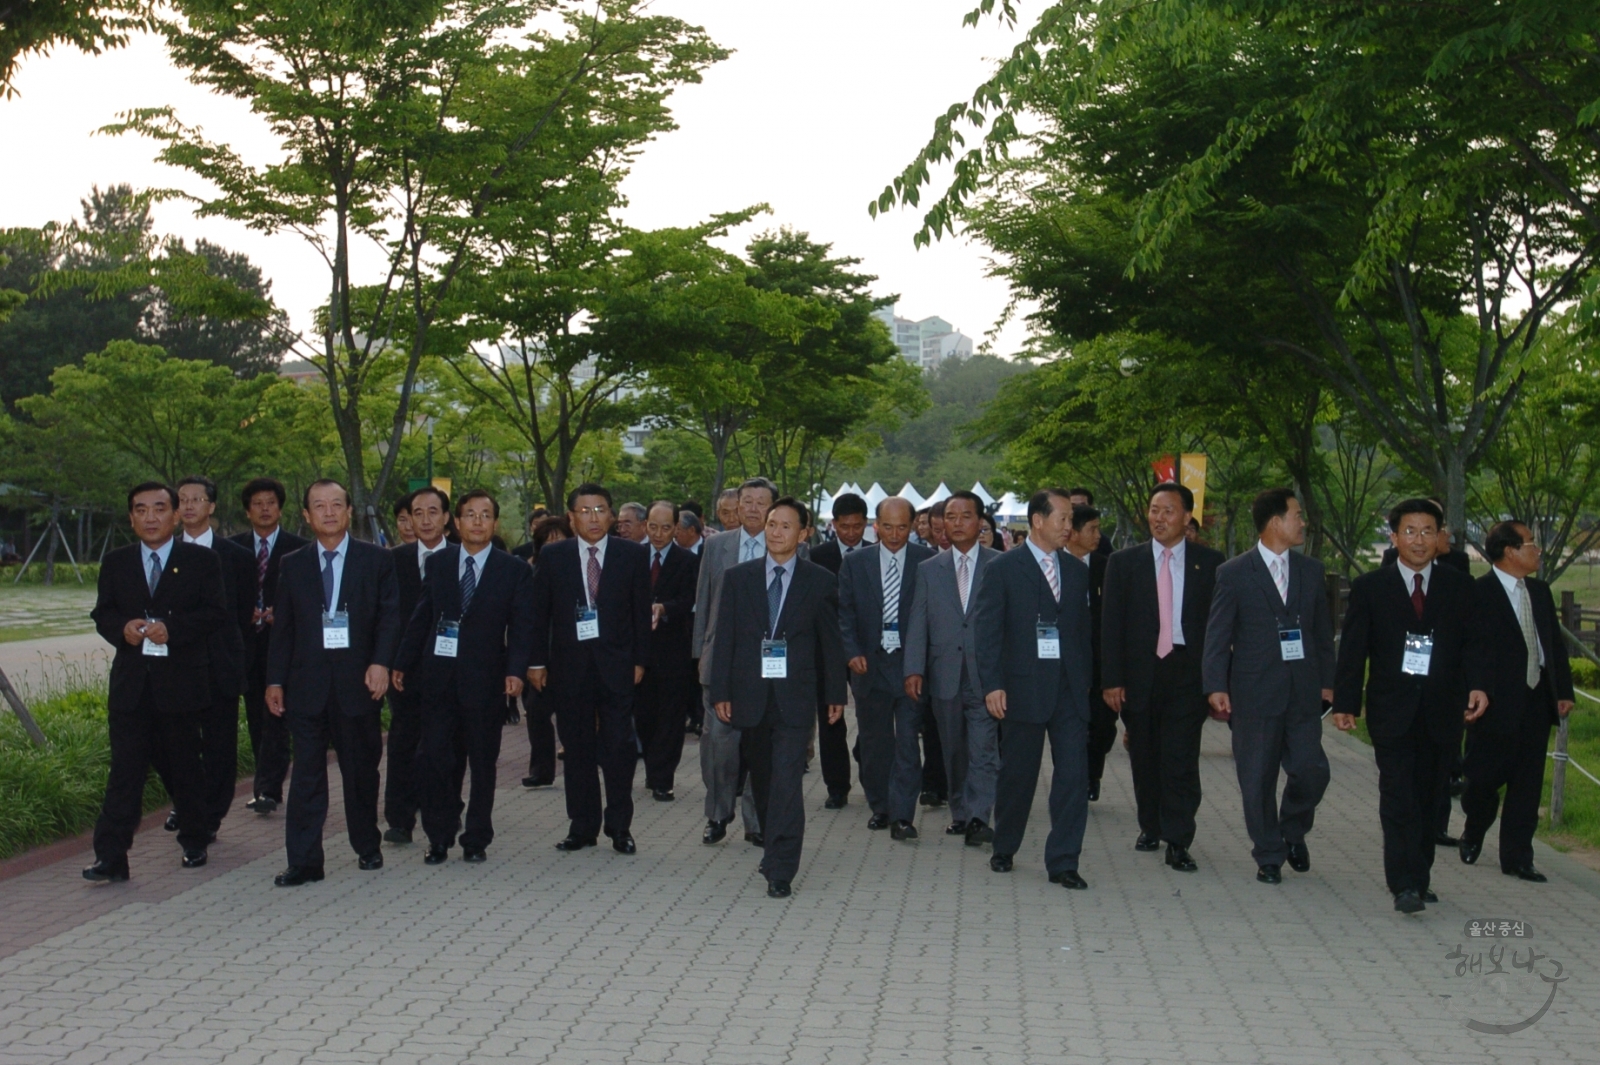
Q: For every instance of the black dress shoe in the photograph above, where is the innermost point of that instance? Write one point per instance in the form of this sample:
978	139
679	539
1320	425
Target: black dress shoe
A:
1178	858
296	875
1445	839
436	855
396	835
538	782
1069	878
576	843
1408	901
715	832
755	839
102	872
1429	896
932	799
474	855
663	795
902	830
194	859
1000	863
262	804
1269	874
1458	784
1470	849
1299	857
623	844
978	833
778	889
370	861
837	800
1094	791
879	822
171	823
1528	873
956	828
1147	842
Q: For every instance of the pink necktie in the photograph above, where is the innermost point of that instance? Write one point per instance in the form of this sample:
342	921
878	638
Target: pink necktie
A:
1050	575
1280	579
1164	604
594	575
963	581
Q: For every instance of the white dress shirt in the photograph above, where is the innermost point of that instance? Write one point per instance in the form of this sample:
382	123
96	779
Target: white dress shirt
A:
972	570
204	539
270	540
1509	583
424	551
747	553
477	562
1039	556
583	562
659	554
161	553
1269	556
1175	566
1407	573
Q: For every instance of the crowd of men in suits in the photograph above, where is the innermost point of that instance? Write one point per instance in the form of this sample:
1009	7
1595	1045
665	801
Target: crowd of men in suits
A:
622	628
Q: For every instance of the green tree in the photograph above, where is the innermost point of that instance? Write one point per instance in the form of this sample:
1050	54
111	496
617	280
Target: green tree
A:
29	27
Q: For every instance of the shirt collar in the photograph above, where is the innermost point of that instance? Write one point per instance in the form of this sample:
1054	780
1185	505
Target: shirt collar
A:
1267	555
970	556
600	552
1507	580
745	538
896	555
204	539
1407	572
271	538
478	557
163	552
1156	547
342	551
1039	554
660	552
788	567
423	550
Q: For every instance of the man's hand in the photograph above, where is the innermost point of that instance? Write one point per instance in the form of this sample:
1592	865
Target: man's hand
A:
397	679
834	714
725	712
1564	706
858	665
537	677
261	615
275	700
638	674
914	686
1114	698
156	632
377	681
1221	705
658	614
1327	696
513	686
133	631
996	702
1344	722
1477	703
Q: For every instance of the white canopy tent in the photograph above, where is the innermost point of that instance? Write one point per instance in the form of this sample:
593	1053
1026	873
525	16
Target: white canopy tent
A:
1011	508
942	492
982	493
909	492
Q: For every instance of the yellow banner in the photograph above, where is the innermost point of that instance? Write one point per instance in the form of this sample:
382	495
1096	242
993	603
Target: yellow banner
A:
1192	475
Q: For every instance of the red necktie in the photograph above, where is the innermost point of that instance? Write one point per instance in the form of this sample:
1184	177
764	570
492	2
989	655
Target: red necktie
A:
655	568
1416	594
594	575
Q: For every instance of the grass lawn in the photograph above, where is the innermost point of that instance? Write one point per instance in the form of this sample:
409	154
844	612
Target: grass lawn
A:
32	611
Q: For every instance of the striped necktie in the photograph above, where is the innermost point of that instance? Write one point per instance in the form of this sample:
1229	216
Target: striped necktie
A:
469	584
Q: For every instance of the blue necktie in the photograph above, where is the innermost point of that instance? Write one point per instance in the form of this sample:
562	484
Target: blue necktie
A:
327	580
155	572
774	599
469	584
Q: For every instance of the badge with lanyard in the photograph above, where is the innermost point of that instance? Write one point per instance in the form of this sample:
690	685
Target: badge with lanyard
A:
154	650
775	659
447	638
1291	643
891	636
335	630
1049	640
588	623
1418	654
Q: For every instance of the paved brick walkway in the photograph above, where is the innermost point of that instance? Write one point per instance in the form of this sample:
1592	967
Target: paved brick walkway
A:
887	952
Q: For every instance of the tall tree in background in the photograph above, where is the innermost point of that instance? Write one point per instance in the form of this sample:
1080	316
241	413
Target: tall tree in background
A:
30	27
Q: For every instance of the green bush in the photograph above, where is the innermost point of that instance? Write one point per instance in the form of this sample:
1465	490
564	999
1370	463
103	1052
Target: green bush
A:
64	574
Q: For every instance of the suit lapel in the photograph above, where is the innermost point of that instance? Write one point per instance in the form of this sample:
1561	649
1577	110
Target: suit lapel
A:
875	580
1264	581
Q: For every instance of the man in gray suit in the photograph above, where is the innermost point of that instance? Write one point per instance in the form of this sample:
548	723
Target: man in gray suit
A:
719	743
942	662
877	590
1268	670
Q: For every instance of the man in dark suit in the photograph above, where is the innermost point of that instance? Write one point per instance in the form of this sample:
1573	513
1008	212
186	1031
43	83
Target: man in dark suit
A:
334	640
402	796
1406	637
1082	497
669	677
527	549
1083	544
466	647
833	741
1268	669
267	541
1034	664
403	531
1158	598
219	726
159	602
1520	662
778	625
876	589
591	643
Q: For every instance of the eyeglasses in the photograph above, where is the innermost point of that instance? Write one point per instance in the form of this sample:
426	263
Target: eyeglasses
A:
592	512
1529	543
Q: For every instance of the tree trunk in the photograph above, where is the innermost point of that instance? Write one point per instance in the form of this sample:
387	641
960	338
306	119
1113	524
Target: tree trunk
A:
1455	495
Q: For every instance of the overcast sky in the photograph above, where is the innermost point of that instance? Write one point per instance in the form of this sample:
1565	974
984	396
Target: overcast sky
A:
820	106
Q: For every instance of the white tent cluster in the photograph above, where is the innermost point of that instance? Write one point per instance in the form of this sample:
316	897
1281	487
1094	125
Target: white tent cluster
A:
1009	507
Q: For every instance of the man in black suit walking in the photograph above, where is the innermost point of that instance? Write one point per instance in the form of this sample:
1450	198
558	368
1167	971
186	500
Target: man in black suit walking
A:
1034	664
336	630
833	741
466	647
1158	598
1083	544
159	601
267	541
778	625
1520	663
669	677
591	643
1405	640
1082	497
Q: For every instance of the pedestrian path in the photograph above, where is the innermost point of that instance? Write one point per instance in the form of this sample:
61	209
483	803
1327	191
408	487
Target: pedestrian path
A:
886	952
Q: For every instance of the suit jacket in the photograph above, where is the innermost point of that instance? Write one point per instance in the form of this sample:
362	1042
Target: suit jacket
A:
496	635
940	637
1014	600
1372	648
861	615
623	607
674	589
830	554
296	659
1242	650
1500	656
229	643
719	552
809	622
189	599
1131	623
256	643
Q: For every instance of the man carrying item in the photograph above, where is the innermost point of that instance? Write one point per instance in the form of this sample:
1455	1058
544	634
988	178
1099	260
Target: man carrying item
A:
669	678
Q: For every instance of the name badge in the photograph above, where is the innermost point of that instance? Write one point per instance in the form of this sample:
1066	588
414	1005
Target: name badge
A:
1418	654
335	631
588	623
774	659
1292	644
1049	641
891	636
446	638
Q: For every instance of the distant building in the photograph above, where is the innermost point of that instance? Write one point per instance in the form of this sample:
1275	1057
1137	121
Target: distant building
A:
925	343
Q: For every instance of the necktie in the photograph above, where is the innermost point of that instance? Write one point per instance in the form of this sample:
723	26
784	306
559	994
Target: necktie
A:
1530	635
963	582
594	574
1049	563
261	580
1164	604
891	594
749	549
155	572
1281	579
1417	599
327	579
774	599
655	568
469	584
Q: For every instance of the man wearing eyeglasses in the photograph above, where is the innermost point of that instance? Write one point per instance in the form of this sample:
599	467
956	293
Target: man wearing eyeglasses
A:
1521	664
